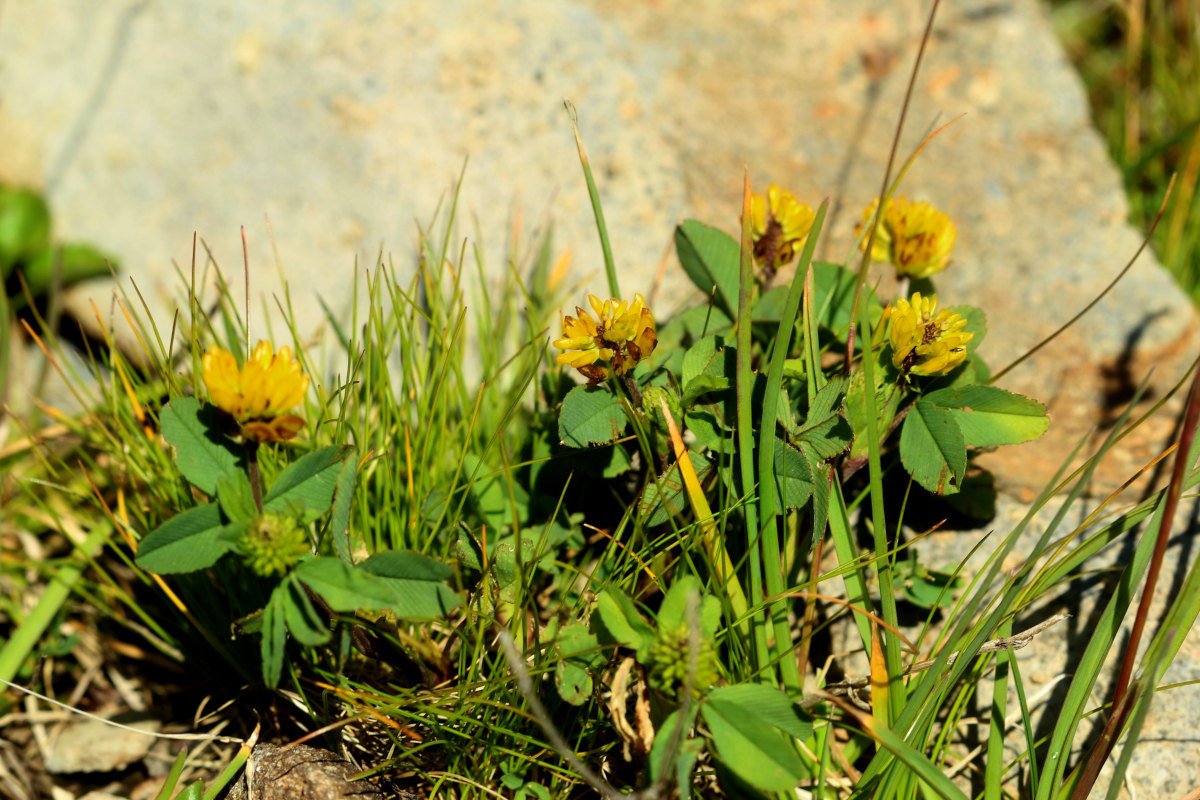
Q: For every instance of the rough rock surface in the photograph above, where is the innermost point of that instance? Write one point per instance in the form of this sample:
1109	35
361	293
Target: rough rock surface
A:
298	772
90	745
345	122
1166	760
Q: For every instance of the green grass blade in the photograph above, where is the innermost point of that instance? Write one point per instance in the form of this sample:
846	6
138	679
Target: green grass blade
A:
214	789
610	268
1091	662
768	492
745	431
883	564
842	533
994	765
965	632
928	773
1026	720
168	787
25	638
1176	624
5	347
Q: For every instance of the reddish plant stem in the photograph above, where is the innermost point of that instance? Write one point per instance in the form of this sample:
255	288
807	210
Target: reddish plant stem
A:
1123	698
809	618
1186	435
853	465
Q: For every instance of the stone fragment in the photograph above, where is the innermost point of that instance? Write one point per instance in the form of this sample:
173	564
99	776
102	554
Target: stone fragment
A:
93	746
298	772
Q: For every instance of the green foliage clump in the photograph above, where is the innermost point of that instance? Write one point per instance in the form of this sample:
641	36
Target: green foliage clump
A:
660	541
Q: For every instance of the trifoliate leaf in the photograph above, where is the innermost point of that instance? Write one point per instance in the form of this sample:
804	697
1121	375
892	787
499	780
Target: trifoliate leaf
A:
932	448
989	416
591	416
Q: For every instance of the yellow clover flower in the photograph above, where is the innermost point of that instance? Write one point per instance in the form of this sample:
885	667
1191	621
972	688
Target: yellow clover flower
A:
914	236
613	342
258	393
924	343
780	223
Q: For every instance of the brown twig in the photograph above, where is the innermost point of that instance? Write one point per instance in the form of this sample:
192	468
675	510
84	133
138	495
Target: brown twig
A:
855	688
525	684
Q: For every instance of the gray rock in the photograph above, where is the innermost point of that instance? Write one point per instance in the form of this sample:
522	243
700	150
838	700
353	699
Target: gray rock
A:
345	122
1167	756
93	746
298	772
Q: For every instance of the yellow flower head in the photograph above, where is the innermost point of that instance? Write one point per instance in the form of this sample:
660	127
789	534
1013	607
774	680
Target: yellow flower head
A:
924	343
612	342
780	224
258	393
914	236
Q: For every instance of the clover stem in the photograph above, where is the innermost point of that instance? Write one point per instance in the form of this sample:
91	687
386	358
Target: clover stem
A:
253	474
631	387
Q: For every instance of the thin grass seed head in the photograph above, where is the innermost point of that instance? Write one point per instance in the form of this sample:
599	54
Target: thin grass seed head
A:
924	342
610	343
780	225
913	236
258	393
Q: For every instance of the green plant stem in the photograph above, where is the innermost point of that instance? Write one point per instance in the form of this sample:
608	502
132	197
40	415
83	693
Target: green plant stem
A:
745	433
610	268
631	402
883	562
887	593
814	378
846	547
232	769
768	492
